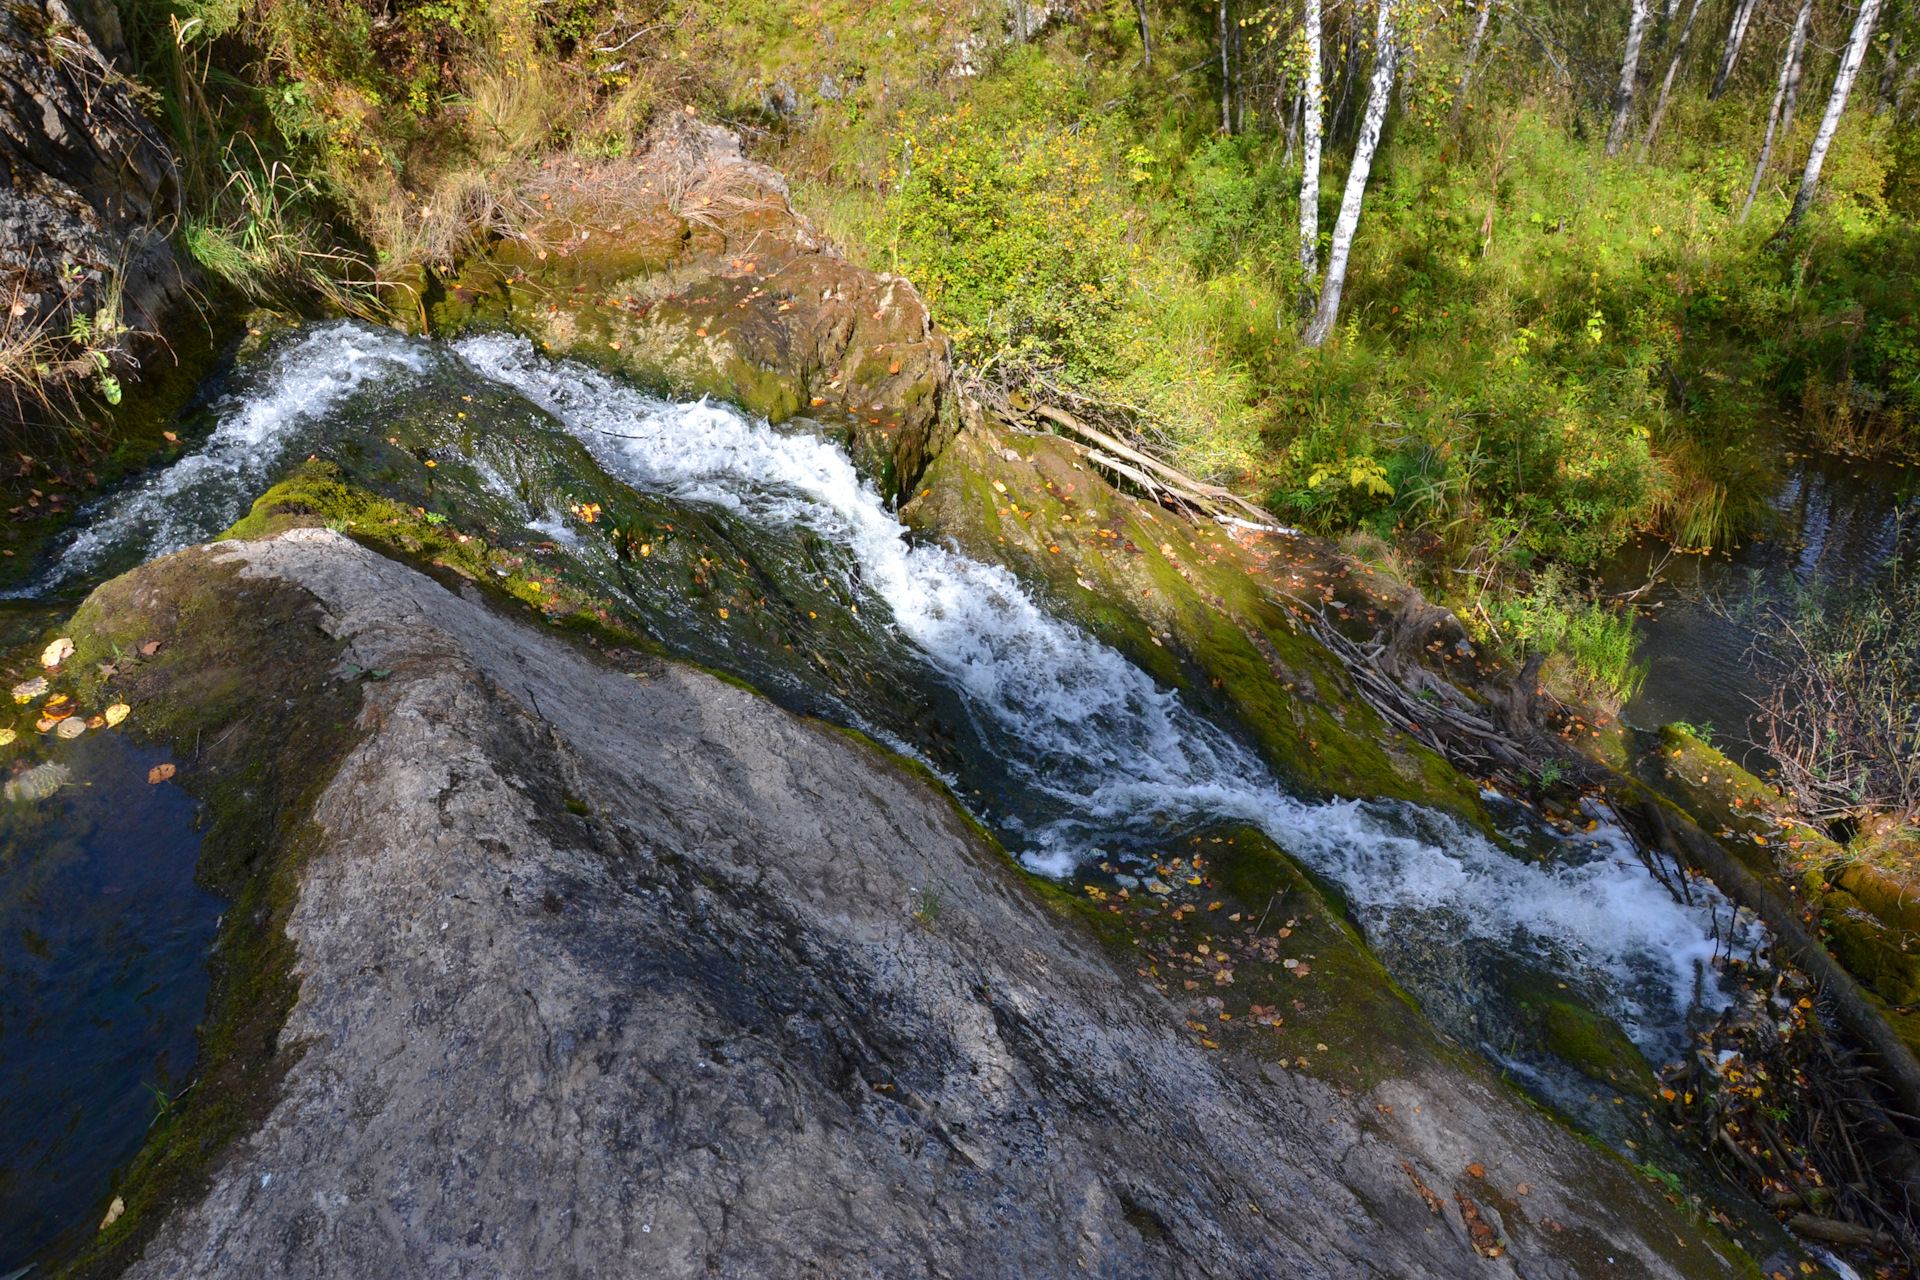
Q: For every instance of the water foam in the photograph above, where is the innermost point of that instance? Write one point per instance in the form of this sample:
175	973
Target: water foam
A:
1090	732
258	427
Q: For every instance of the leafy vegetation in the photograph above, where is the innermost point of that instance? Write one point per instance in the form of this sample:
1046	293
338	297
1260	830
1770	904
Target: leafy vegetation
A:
1541	351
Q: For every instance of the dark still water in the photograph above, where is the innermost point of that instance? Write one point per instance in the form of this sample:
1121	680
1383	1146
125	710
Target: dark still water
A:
1833	518
103	973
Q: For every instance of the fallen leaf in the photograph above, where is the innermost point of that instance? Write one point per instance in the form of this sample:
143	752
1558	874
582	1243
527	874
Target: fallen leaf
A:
160	773
118	1206
7	736
1526	1188
56	653
96	722
150	648
72	727
171	437
44	723
1477	1171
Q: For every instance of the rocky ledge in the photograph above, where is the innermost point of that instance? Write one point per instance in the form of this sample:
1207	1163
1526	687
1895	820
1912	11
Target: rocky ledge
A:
687	269
611	972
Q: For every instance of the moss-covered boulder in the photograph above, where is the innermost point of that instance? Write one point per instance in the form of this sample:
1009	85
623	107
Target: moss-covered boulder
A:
686	269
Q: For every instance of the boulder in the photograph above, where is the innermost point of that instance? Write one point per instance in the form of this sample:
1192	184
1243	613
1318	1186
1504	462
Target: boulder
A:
686	269
610	971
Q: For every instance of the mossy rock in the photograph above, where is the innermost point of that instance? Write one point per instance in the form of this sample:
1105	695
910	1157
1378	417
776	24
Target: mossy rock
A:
1179	600
1870	948
1220	947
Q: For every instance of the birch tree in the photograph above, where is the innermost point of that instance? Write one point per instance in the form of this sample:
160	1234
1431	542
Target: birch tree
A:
1780	118
1836	107
1473	57
1310	156
1378	94
1226	76
1146	36
1629	77
1666	86
1736	34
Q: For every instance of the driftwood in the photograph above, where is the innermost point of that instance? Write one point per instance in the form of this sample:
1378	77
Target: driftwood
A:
1211	498
1434	713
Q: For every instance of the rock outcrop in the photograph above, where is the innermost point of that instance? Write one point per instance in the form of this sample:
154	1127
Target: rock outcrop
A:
687	269
86	195
607	972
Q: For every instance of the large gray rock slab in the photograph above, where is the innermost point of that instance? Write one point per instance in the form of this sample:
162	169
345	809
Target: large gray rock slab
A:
605	975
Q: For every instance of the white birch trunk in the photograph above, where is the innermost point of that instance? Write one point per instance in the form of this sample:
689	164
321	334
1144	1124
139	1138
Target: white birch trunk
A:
1789	83
1629	78
1310	152
1836	107
1736	34
1473	57
1226	76
1666	86
1378	94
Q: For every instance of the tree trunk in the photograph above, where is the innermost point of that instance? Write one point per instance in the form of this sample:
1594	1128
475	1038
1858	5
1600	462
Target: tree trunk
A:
1385	54
1629	78
1310	157
1889	75
1226	76
1146	35
1666	86
1736	33
1836	107
1239	41
1783	96
1349	72
1472	59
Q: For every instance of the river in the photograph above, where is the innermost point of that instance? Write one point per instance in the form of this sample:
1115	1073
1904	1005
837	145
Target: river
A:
1067	751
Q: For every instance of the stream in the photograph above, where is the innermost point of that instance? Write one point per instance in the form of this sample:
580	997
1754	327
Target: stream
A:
1833	518
760	552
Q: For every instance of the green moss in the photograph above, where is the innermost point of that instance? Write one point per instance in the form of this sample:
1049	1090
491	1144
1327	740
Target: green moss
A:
1178	599
1871	950
1344	1019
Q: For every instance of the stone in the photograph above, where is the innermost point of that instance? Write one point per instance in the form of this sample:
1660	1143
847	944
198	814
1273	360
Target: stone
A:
605	976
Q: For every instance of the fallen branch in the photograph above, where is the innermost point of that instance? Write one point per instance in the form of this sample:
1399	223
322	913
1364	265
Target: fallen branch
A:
1178	482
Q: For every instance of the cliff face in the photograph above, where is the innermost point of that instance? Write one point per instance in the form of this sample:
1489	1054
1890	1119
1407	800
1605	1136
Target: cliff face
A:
606	972
88	187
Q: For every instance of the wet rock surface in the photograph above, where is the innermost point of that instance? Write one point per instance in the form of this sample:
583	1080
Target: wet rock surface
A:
611	973
87	182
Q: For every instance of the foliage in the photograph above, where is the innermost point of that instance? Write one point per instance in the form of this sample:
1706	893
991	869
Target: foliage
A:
1009	228
1598	640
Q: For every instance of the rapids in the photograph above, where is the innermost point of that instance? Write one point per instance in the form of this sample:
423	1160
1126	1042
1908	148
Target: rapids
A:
1067	751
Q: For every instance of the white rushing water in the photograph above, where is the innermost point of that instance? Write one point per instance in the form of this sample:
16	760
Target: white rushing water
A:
259	426
1094	742
1090	730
